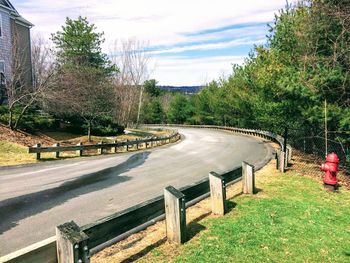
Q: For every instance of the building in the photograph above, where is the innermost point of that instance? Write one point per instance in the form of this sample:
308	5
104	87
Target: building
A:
14	45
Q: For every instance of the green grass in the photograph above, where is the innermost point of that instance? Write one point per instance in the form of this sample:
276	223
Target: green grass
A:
61	136
291	220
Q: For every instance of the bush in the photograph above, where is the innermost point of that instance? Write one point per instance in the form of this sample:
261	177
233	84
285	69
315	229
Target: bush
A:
33	120
37	120
106	127
101	127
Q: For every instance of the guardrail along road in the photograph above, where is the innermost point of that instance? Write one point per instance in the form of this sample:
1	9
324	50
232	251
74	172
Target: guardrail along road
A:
36	198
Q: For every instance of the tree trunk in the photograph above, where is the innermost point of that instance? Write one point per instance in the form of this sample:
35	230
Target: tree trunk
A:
21	115
89	131
10	119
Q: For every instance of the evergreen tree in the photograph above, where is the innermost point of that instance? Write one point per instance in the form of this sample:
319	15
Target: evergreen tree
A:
180	109
85	88
79	45
153	112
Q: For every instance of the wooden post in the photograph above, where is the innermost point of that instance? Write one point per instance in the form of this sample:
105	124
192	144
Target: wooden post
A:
72	244
289	159
127	145
282	160
100	150
80	152
114	149
217	193
248	178
277	157
175	215
38	155
137	144
57	154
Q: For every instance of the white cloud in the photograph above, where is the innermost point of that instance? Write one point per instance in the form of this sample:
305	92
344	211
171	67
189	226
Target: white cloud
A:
220	45
162	23
193	71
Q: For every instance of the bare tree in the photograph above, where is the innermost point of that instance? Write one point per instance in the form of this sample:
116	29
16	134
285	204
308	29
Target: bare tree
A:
43	65
83	92
21	90
44	73
17	91
133	60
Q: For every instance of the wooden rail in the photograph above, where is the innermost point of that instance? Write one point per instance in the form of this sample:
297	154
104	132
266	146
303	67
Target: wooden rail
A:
259	133
38	149
108	228
283	156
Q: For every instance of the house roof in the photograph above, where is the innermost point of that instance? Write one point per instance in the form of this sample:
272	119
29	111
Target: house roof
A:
5	4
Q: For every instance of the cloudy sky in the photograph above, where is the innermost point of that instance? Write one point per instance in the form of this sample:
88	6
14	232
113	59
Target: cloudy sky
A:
192	42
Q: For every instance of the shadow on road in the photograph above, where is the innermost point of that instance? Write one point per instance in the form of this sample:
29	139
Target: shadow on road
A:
14	209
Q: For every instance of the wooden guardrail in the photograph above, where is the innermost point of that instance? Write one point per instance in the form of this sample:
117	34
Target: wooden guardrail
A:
79	148
80	242
283	156
259	133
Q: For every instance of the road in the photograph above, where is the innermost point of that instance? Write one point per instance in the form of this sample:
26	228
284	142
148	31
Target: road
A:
35	198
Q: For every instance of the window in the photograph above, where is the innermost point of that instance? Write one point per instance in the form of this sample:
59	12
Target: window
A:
2	66
2	72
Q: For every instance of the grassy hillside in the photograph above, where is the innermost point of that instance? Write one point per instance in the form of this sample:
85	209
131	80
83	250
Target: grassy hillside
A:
13	153
291	219
14	144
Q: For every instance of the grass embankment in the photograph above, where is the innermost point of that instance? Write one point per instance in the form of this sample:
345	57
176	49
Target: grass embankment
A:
291	219
14	145
13	153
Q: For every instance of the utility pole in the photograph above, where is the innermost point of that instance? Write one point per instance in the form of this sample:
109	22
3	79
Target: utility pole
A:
325	126
139	107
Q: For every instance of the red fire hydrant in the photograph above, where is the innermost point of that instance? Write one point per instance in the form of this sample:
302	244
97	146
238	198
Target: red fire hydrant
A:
330	167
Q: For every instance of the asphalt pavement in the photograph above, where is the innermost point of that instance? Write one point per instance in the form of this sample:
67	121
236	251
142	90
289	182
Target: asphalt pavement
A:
35	198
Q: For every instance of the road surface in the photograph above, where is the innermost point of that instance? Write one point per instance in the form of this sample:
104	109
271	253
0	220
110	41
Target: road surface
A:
35	198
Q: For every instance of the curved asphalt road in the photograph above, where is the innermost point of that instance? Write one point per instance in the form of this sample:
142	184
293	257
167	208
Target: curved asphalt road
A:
36	198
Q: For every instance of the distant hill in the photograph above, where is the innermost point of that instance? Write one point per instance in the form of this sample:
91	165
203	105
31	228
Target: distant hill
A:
184	89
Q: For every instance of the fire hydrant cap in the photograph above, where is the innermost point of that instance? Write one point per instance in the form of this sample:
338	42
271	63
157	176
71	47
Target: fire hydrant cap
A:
332	158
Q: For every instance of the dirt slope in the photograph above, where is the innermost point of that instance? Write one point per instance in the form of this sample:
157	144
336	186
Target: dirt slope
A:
23	138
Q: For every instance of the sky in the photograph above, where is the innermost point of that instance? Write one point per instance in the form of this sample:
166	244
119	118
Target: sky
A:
192	42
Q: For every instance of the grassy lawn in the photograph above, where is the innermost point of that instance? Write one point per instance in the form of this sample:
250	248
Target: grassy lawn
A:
74	138
61	136
292	219
13	153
